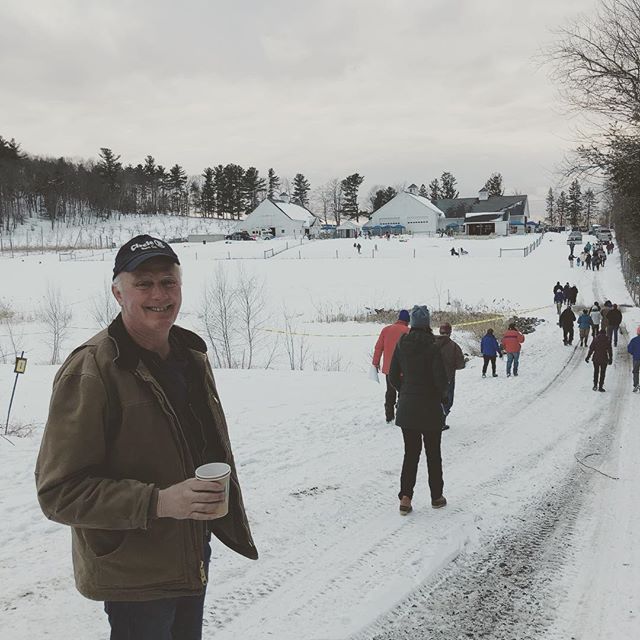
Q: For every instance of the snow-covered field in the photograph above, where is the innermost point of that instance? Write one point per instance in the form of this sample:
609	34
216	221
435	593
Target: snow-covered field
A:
533	544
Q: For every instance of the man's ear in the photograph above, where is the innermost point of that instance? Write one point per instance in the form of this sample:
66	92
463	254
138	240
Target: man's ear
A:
116	294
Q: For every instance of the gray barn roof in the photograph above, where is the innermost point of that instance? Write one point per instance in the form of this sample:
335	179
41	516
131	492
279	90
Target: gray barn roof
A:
459	207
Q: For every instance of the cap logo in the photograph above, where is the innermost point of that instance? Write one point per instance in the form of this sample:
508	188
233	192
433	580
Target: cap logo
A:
149	244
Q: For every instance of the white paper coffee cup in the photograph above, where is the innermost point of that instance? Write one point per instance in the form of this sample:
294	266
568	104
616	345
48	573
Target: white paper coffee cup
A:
218	472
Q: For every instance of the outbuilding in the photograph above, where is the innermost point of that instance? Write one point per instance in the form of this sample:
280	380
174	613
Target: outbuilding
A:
280	217
409	211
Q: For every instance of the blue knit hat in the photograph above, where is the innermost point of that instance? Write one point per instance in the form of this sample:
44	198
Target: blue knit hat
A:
420	317
403	315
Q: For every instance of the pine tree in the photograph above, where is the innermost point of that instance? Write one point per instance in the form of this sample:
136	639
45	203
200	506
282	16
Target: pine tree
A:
448	186
574	204
176	183
301	188
110	168
252	186
562	205
434	190
381	197
349	187
150	181
550	209
590	203
208	193
233	198
273	184
220	189
494	185
423	191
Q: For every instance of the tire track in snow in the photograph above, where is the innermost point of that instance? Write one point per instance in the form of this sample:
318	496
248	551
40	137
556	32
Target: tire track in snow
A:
509	589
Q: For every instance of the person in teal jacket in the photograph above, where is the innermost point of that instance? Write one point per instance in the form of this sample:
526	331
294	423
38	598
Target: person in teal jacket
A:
584	327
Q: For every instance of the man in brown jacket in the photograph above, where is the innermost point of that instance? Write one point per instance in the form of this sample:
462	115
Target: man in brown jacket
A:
453	359
133	412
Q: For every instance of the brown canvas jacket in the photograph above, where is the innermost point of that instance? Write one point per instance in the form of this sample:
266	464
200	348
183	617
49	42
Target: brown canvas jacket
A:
110	443
452	356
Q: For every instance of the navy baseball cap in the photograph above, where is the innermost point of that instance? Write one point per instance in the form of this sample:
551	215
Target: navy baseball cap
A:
139	249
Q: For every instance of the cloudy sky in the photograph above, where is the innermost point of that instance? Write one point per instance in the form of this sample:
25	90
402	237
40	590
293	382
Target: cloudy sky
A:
398	90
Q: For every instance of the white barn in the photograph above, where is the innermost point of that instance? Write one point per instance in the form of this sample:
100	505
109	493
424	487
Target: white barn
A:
409	210
282	218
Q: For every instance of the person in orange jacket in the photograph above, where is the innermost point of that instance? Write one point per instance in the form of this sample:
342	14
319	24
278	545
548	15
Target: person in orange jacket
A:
384	349
511	341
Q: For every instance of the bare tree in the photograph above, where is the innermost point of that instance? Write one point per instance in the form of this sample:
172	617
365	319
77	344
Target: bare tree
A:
596	61
217	315
104	307
297	350
251	305
56	314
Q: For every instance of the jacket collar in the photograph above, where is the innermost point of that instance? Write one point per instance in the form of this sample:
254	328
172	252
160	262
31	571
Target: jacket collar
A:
129	352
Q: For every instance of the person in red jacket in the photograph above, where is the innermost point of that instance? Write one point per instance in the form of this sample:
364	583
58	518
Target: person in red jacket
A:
384	349
511	341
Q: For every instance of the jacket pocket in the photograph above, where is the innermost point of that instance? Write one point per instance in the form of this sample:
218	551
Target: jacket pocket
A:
145	558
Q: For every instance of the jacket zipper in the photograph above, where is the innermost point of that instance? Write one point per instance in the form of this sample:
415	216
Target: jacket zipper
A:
169	410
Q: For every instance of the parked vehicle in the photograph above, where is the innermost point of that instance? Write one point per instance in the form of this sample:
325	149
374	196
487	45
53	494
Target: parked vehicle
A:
575	237
604	235
239	235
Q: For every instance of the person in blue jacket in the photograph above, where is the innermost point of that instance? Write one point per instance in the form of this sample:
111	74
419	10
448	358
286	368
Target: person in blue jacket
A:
490	348
584	327
634	349
558	298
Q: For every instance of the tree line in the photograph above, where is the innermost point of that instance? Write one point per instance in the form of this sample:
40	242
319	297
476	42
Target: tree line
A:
61	190
67	191
575	208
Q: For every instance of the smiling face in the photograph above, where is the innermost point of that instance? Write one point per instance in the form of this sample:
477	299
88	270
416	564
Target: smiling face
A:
150	298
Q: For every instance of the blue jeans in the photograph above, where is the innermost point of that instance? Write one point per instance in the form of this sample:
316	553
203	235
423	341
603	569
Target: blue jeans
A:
512	359
446	406
636	372
166	619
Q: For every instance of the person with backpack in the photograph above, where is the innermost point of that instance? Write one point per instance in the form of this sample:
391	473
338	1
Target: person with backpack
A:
490	348
602	354
566	321
417	371
584	327
634	349
512	344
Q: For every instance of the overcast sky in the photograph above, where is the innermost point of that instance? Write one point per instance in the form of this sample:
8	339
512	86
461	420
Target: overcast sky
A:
398	90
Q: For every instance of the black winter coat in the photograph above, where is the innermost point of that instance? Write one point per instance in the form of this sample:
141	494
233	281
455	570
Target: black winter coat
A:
417	372
600	349
567	318
614	317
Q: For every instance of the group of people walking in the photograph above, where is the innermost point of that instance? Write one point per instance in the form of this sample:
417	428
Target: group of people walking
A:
420	373
511	344
564	295
592	256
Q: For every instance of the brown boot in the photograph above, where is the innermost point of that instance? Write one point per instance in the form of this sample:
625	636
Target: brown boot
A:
438	503
405	506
